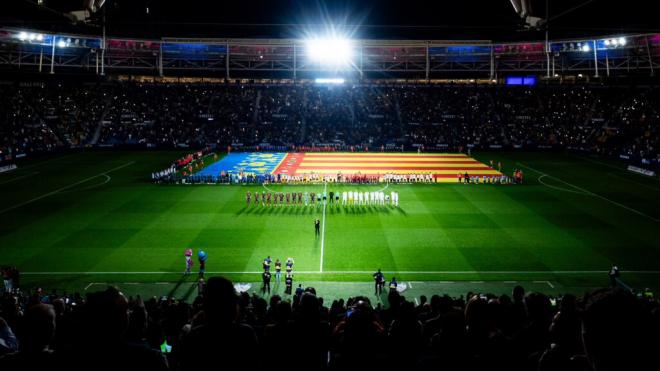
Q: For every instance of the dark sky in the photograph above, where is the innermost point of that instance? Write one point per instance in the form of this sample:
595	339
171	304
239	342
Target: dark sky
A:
385	19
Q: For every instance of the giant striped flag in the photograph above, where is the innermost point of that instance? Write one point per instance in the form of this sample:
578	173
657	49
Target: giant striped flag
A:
444	166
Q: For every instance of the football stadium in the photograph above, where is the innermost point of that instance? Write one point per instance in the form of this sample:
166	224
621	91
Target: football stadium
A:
350	184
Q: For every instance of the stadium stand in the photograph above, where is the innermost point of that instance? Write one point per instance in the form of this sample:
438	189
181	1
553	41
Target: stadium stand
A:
607	329
612	121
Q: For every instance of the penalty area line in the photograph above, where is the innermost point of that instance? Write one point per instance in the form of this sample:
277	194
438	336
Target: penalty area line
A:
589	193
105	173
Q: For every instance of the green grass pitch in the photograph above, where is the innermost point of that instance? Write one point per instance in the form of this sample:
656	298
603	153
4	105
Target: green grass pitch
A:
95	217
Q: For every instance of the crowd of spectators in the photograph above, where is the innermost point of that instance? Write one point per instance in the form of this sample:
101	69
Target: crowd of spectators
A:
608	120
606	329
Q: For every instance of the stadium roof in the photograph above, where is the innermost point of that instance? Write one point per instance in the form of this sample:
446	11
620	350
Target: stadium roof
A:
365	19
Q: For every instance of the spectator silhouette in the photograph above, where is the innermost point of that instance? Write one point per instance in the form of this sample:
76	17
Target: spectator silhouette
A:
219	342
617	332
37	330
103	344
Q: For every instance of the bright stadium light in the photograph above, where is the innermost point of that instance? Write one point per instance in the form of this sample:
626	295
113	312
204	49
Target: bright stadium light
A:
22	36
335	81
607	42
61	44
332	52
615	42
622	40
585	48
40	37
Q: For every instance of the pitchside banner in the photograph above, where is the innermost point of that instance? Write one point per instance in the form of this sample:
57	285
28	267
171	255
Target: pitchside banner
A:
4	169
639	170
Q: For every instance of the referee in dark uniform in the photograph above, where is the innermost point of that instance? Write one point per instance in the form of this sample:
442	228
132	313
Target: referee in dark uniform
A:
317	227
265	277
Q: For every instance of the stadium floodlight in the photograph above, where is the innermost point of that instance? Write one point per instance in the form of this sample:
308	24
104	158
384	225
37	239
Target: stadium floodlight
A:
615	42
335	81
332	52
40	37
585	48
22	35
61	44
622	41
607	42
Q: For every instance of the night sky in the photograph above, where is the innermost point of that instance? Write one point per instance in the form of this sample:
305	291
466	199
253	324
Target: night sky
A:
371	19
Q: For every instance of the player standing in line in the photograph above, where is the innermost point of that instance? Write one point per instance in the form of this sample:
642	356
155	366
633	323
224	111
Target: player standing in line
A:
313	196
189	262
268	197
288	198
306	198
202	256
266	264
256	198
281	198
263	198
278	270
288	281
247	197
289	266
393	284
344	198
379	282
300	198
265	277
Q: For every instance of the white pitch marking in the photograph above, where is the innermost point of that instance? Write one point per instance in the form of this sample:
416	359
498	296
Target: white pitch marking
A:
20	177
546	282
409	284
65	188
90	285
587	192
416	302
540	179
325	188
357	272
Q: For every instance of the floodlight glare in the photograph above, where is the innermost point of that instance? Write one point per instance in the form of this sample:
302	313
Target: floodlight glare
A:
607	42
585	48
615	42
336	81
61	44
622	40
330	52
40	37
22	36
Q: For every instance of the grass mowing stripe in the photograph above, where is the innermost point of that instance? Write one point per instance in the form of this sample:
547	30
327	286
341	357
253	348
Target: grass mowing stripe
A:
357	272
589	193
64	188
19	178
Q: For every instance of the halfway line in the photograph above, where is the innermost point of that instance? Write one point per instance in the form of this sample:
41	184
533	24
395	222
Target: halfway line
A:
325	188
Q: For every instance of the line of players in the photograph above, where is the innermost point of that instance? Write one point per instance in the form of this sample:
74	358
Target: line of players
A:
266	275
310	198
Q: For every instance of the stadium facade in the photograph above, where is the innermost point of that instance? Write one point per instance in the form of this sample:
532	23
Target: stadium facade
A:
419	60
